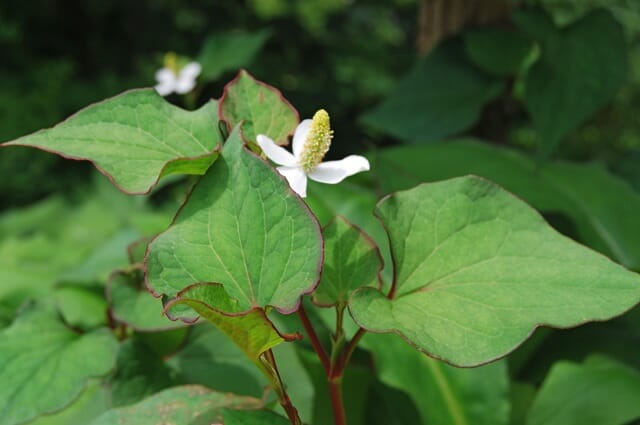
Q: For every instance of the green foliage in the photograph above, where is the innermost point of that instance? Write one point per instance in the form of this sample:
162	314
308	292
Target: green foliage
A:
260	108
229	51
469	269
38	351
581	68
351	260
469	258
162	139
600	392
189	404
443	394
443	95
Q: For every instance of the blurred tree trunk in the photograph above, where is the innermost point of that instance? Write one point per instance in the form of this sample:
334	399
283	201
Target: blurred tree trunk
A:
439	18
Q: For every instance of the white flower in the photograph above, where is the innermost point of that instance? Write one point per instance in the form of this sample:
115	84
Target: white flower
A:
311	141
171	80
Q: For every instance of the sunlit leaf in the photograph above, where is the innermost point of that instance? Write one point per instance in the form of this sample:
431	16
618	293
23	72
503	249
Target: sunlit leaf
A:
261	108
603	207
251	330
135	139
476	270
242	228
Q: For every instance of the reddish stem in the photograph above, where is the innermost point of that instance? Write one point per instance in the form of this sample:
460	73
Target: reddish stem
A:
283	397
335	391
315	341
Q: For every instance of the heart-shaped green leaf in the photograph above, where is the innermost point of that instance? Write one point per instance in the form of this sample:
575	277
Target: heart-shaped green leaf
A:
602	207
599	392
351	260
476	270
580	70
261	108
39	359
190	404
135	139
241	227
251	330
444	395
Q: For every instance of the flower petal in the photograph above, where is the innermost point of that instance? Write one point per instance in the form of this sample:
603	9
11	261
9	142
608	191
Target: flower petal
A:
297	179
187	77
191	70
165	75
333	172
166	81
184	85
276	153
300	136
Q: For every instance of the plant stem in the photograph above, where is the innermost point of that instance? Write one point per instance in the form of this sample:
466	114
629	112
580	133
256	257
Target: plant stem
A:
269	367
340	356
335	392
315	341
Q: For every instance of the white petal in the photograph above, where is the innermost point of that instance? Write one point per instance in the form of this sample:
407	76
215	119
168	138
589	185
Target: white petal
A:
165	88
187	77
184	85
165	75
276	153
191	70
297	179
300	136
333	172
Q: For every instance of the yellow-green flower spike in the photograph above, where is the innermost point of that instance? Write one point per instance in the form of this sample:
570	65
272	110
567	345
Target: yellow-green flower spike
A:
171	62
317	142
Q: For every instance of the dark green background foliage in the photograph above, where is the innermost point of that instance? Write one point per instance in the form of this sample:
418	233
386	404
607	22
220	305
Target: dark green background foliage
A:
545	101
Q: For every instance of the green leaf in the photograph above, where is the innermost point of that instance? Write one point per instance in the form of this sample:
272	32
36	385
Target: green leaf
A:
603	207
140	372
190	404
92	403
388	406
135	139
252	417
230	51
496	51
243	228
444	395
581	68
82	307
261	108
251	330
210	358
354	203
477	270
132	304
352	260
443	95
598	392
39	360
